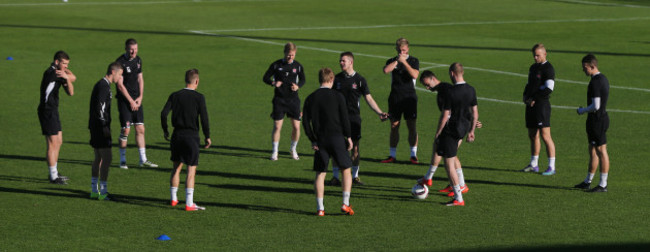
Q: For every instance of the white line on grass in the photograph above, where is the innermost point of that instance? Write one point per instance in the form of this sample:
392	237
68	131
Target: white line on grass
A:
73	2
430	24
606	4
432	65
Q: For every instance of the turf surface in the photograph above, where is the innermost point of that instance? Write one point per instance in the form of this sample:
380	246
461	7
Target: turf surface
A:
255	204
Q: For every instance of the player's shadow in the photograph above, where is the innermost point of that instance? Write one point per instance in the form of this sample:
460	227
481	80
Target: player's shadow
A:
71	193
200	172
497	183
24	179
42	159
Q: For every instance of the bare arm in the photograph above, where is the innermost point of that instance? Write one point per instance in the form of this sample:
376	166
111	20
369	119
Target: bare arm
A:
373	105
444	118
413	72
122	89
70	78
471	136
390	67
138	100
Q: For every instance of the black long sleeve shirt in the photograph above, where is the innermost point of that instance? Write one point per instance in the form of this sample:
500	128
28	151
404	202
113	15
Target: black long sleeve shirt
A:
100	105
288	73
187	106
325	115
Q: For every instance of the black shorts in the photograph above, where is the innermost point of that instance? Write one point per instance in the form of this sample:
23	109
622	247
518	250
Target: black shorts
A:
398	105
185	148
355	127
597	130
290	107
50	123
334	147
98	138
447	145
127	116
538	116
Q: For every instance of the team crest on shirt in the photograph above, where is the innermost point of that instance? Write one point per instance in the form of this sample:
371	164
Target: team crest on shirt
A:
354	85
139	66
294	70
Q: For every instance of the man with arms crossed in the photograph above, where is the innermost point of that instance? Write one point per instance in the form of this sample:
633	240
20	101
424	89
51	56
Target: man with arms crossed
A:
129	103
353	86
541	81
187	105
327	125
286	75
402	100
459	118
597	124
56	76
99	124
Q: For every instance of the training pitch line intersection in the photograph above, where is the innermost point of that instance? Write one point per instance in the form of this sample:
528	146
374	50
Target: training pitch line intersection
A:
435	65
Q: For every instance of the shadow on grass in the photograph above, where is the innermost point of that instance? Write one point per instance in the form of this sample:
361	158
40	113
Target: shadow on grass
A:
628	247
42	159
283	39
24	179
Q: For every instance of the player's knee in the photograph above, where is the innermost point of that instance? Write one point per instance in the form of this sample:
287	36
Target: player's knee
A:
124	134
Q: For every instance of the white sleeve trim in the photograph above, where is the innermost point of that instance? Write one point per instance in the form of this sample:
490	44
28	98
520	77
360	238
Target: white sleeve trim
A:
595	105
550	84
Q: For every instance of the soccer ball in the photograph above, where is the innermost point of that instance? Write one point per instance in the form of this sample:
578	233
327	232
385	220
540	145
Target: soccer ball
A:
420	191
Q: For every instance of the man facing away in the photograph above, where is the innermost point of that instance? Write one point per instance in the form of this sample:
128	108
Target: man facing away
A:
186	105
327	125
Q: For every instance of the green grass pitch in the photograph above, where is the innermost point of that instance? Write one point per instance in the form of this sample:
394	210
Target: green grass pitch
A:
255	204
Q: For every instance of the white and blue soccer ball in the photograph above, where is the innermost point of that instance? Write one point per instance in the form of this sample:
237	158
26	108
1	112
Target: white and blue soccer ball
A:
420	191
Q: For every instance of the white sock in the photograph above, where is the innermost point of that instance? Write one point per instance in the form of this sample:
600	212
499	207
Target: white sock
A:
414	151
432	170
93	184
319	204
603	180
461	177
173	191
122	155
534	160
589	178
393	151
103	187
355	171
54	173
275	146
143	155
189	196
335	171
551	163
458	196
293	145
346	198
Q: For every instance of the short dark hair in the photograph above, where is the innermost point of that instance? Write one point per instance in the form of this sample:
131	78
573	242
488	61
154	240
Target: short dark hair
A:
325	75
456	67
348	53
590	59
427	74
130	42
61	55
191	75
115	66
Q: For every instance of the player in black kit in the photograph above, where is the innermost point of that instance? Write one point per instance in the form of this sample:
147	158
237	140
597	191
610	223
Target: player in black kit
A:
286	75
404	71
187	105
353	86
99	124
56	76
129	103
327	125
459	118
597	124
541	81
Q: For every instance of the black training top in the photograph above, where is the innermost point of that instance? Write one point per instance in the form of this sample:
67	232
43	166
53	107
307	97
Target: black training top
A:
100	105
132	67
537	76
50	85
598	87
352	87
443	90
325	115
280	70
460	100
186	106
402	83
